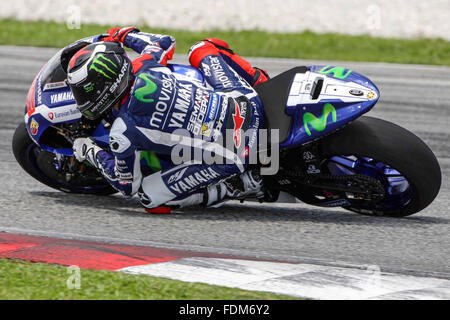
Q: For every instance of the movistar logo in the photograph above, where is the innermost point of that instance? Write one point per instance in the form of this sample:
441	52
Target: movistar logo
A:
338	72
100	64
149	88
319	124
152	160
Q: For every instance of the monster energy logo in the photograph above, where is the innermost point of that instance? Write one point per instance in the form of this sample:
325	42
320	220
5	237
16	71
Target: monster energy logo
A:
319	124
89	88
338	72
100	65
149	88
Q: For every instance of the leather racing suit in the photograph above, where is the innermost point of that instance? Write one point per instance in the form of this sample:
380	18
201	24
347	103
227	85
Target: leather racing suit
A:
160	104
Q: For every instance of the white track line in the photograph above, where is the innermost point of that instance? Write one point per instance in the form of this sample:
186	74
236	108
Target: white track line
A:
300	280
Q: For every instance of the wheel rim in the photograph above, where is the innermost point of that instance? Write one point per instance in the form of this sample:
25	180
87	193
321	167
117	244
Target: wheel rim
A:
31	156
398	190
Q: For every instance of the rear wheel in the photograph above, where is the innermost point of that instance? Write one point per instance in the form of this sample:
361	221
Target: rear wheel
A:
402	162
46	168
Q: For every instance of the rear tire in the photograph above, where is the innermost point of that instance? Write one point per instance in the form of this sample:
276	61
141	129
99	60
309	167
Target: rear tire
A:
395	146
27	154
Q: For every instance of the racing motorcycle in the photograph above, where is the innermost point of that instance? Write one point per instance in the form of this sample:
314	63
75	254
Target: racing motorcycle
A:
329	154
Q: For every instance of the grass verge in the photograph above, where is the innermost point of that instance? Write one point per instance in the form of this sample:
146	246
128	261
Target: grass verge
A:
25	280
306	45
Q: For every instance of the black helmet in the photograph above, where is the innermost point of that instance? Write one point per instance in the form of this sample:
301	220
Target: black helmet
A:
98	75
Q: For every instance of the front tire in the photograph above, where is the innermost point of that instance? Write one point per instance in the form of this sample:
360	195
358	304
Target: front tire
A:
374	141
36	162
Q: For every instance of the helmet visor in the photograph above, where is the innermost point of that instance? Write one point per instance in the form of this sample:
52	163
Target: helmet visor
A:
93	98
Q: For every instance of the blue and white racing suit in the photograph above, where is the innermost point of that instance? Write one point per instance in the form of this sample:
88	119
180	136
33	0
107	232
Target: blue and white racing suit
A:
159	105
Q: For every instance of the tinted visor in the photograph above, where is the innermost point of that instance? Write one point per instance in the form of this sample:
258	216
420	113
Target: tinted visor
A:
93	97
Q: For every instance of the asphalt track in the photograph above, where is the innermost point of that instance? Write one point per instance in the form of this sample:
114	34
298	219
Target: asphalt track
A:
415	97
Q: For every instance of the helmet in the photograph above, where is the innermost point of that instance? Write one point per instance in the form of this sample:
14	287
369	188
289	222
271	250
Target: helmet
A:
98	75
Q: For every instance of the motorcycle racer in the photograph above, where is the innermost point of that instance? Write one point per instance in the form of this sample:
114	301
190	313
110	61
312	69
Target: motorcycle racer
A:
148	104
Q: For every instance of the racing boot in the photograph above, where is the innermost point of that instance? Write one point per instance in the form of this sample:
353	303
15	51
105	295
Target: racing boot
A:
238	187
246	185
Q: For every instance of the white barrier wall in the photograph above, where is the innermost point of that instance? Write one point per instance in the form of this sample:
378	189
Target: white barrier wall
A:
386	18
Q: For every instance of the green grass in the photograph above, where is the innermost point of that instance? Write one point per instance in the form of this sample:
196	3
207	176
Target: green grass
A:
305	45
24	280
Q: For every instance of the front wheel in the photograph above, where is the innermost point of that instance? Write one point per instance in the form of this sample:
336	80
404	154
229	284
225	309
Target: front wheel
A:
402	162
43	166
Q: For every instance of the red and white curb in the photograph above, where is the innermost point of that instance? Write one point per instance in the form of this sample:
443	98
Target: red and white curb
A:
295	279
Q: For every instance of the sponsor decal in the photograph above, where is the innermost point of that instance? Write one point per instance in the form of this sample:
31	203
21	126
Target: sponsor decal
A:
124	182
182	104
89	87
39	91
59	97
151	160
213	107
149	88
246	152
177	176
100	64
370	95
337	72
319	124
198	113
164	101
254	133
194	180
100	105
206	69
238	121
120	162
207	128
64	113
122	173
34	127
211	114
119	78
219	73
220	121
55	85
255	126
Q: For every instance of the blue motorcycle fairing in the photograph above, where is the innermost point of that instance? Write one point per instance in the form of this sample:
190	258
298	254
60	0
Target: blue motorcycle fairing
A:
318	113
50	100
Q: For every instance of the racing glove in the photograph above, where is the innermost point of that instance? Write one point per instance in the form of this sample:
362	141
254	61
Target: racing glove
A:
119	34
86	149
